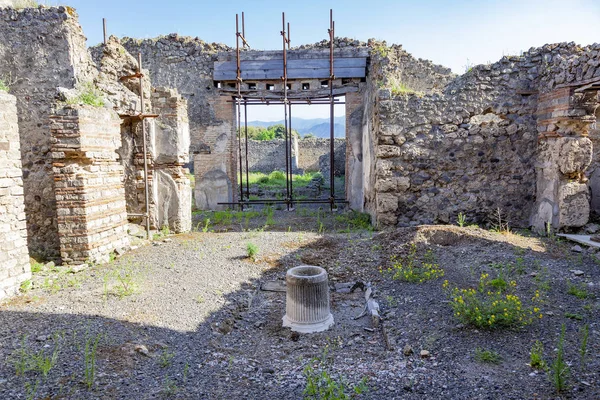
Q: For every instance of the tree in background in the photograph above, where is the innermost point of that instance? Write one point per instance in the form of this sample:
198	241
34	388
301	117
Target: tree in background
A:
269	133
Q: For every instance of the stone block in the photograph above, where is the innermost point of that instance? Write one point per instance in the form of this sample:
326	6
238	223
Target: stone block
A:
575	154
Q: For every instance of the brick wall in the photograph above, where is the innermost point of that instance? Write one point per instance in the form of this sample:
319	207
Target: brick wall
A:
88	179
14	256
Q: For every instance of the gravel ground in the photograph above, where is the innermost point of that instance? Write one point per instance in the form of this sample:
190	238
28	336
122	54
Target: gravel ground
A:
186	319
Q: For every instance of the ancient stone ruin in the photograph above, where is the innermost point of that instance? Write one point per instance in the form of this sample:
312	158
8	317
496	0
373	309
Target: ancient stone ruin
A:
84	131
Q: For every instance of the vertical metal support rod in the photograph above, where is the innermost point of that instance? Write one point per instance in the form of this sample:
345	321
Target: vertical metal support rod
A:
331	113
285	109
291	158
246	135
104	29
238	105
146	190
243	26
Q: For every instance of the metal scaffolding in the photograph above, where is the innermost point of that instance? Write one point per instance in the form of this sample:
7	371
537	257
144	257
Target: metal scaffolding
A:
242	100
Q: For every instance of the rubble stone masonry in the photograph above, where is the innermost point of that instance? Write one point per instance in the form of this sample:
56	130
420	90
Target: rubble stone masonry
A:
14	256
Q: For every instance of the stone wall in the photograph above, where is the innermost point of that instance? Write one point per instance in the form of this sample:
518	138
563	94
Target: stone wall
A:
90	196
470	147
171	143
269	155
14	256
40	49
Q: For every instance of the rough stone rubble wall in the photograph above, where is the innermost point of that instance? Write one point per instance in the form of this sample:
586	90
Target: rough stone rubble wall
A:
269	155
92	218
14	256
40	50
470	148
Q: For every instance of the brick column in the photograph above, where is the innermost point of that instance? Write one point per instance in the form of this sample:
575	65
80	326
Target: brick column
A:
92	219
14	256
564	118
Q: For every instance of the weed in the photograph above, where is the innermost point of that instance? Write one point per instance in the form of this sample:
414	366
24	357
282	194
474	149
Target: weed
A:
578	291
355	221
559	370
126	280
542	280
487	356
112	256
89	359
536	360
31	390
51	285
409	269
399	88
20	4
206	225
170	388
200	299
585	334
88	94
486	307
3	86
26	286
321	385
251	250
461	219
166	358
165	231
26	360
577	317
36	266
501	223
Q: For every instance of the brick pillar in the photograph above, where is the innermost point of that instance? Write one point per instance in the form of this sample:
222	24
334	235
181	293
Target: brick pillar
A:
354	153
14	256
92	219
215	167
171	144
564	119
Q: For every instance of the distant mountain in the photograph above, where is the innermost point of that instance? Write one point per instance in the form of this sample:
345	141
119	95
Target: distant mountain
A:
317	126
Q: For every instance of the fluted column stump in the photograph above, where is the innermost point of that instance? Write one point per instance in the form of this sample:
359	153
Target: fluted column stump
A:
307	300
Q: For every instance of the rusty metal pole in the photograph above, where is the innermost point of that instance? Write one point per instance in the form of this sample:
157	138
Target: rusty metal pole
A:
238	104
104	29
285	111
331	113
142	103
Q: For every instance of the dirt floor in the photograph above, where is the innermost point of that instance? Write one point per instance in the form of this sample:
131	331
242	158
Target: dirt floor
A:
186	318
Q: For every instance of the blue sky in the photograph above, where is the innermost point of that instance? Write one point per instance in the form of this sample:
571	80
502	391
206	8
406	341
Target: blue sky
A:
451	33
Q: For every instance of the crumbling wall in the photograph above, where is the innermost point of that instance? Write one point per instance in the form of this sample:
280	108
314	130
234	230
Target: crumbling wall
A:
269	155
14	256
92	218
167	136
470	147
40	50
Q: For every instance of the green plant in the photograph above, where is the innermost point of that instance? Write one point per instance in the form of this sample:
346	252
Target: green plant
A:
36	266
31	390
321	385
487	356
251	250
501	223
486	307
26	286
578	291
461	219
536	356
577	317
559	370
409	269
89	359
25	360
87	94
170	388
206	225
3	86
126	282
585	333
166	358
